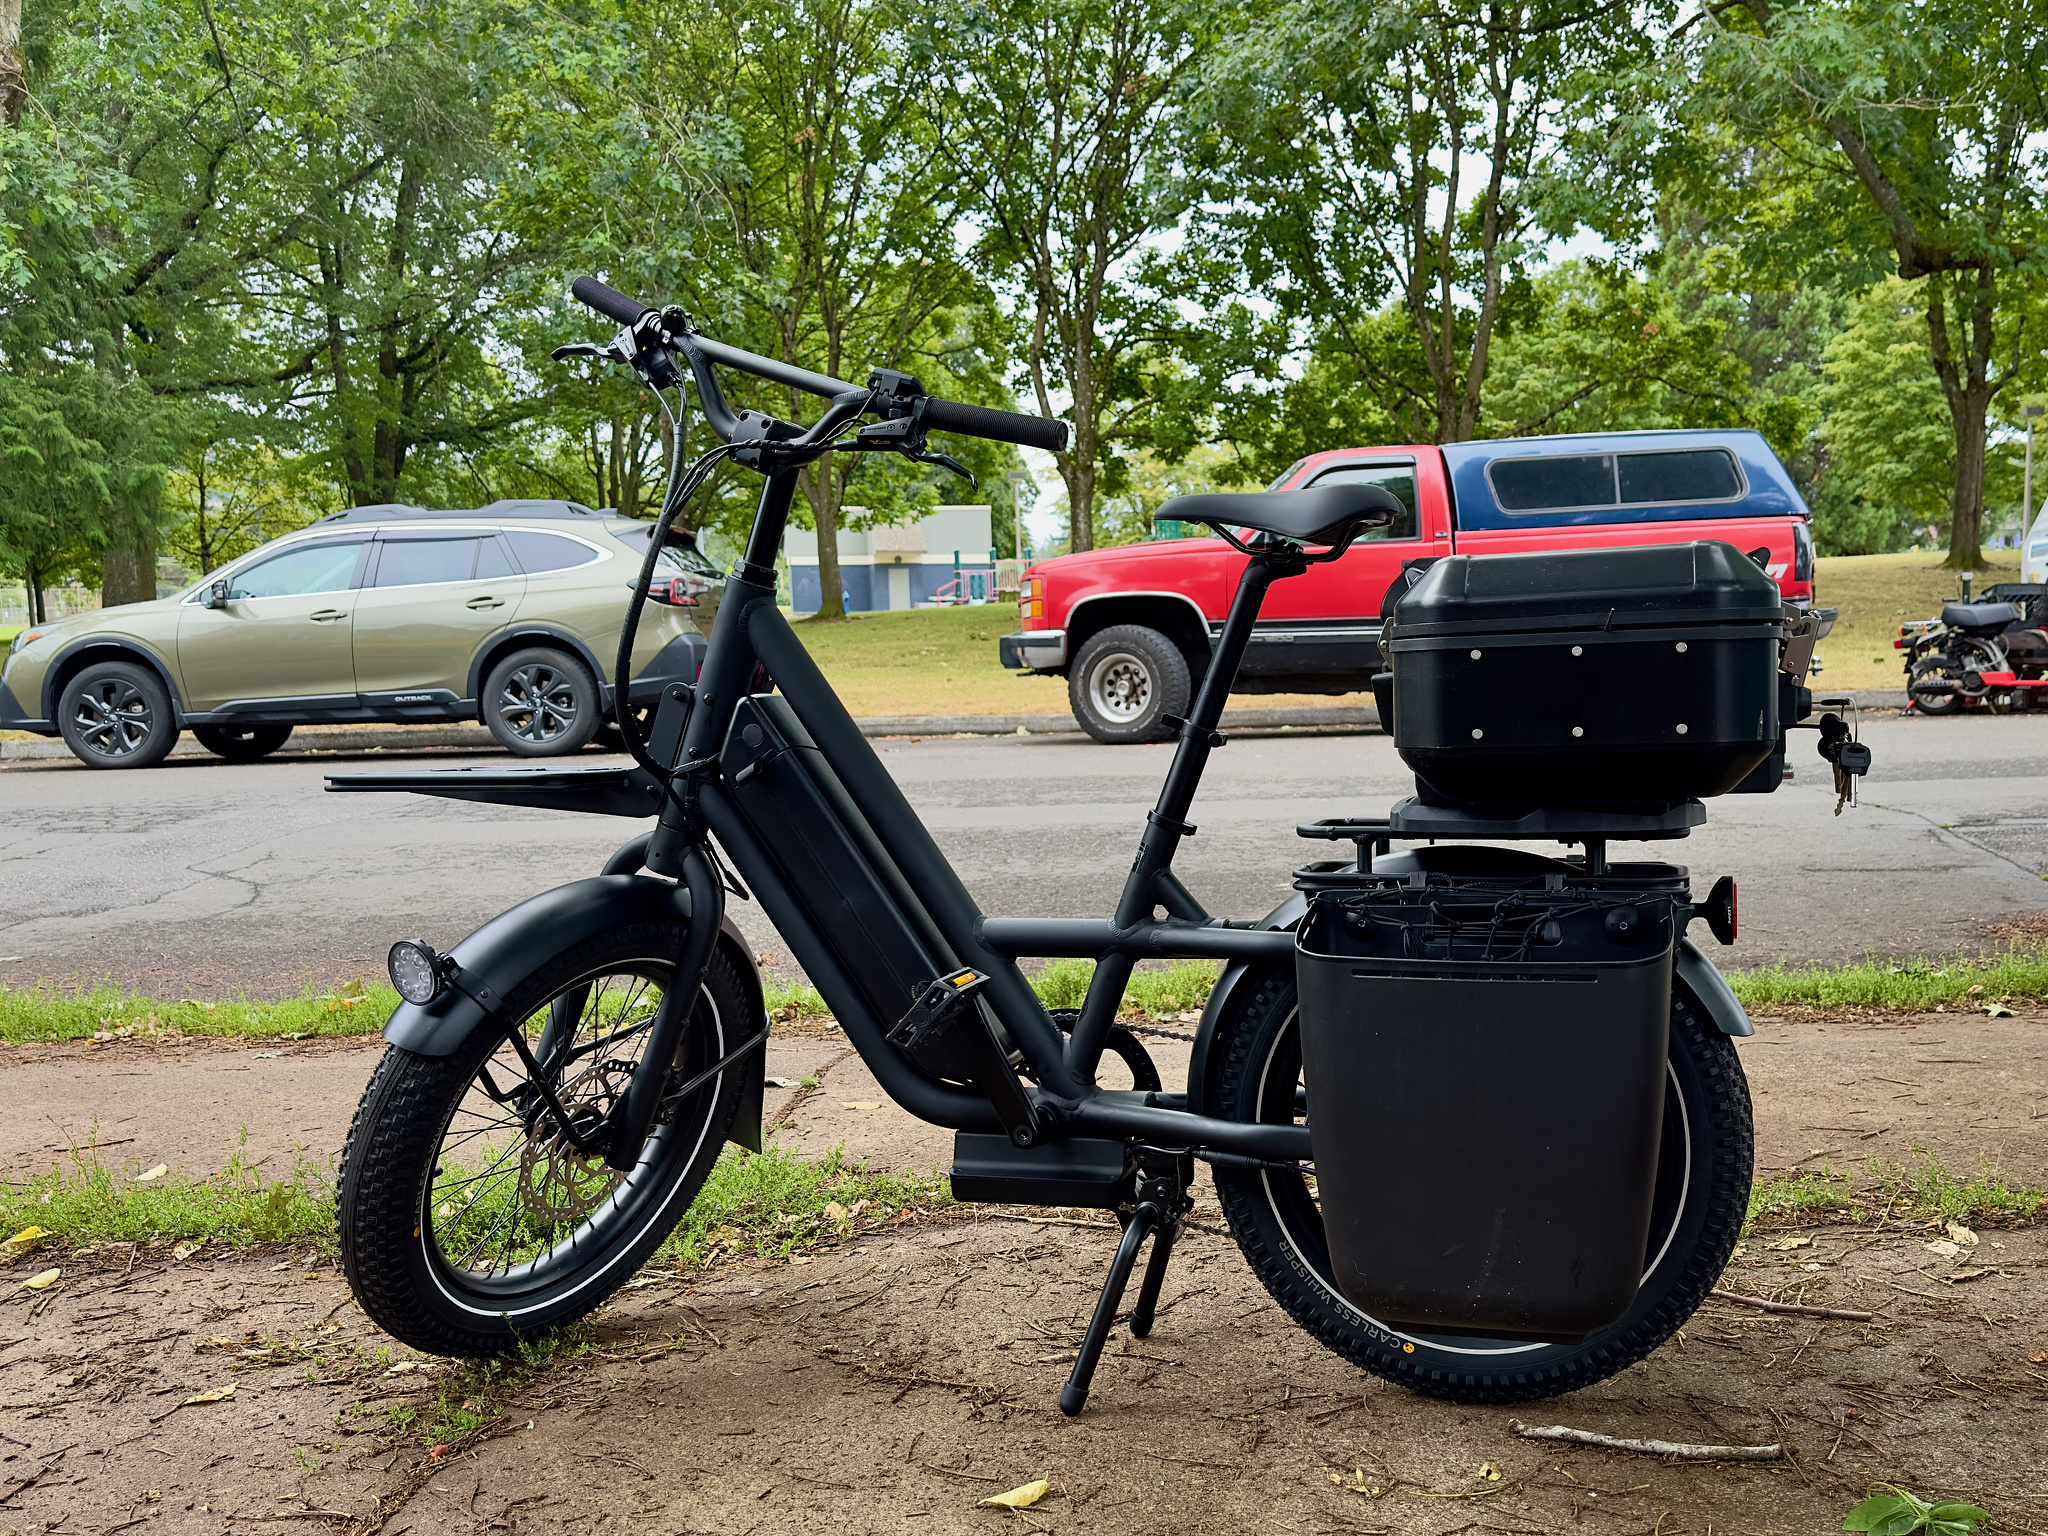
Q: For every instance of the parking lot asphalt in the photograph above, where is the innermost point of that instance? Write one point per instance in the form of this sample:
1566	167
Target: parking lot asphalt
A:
202	877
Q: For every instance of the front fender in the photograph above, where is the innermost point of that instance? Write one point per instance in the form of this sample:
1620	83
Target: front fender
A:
504	952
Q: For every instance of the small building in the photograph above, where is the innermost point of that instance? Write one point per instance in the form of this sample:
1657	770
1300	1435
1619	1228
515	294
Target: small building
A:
945	557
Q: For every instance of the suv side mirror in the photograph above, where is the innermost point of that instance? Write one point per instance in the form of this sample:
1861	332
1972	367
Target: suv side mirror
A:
217	595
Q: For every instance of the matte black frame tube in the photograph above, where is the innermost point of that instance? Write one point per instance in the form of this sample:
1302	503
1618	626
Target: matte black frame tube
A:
1124	1115
909	843
1091	938
955	1108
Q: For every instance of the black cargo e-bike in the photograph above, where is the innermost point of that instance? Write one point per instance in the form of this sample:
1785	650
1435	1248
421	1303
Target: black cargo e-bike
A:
1474	1115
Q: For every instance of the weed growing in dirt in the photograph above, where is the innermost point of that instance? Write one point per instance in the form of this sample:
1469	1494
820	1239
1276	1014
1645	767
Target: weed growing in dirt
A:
47	1012
1803	1194
85	1201
1892	1511
772	1204
1929	1190
1178	988
1924	1191
1911	985
792	1000
470	1397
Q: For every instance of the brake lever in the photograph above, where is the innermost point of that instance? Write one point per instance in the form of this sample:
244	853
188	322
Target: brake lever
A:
944	461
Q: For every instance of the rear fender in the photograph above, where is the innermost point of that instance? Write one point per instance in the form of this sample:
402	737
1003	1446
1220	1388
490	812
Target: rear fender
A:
502	953
1711	990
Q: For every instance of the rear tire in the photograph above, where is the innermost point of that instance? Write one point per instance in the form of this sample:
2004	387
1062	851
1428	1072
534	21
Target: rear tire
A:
1125	681
117	714
241	743
1703	1184
471	1263
541	703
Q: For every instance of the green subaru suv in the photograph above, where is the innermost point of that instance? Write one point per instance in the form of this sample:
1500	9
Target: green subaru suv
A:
509	614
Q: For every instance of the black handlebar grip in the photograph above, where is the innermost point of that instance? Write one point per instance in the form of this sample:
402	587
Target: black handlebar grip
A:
609	302
997	426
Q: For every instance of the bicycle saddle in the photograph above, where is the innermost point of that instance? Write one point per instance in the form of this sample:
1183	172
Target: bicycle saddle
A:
1322	514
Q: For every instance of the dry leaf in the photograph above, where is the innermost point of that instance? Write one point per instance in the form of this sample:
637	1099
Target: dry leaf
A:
798	1258
1961	1234
861	1104
153	1174
24	1241
1944	1247
1020	1498
402	1367
1997	1011
834	1211
217	1395
42	1282
1787	1244
1489	1471
2038	1357
1967	1274
186	1250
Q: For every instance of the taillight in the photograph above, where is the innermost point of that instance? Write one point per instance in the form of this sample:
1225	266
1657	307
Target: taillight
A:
680	591
1802	551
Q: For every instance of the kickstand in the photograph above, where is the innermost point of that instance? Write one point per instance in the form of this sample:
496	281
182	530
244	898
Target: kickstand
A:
1163	1179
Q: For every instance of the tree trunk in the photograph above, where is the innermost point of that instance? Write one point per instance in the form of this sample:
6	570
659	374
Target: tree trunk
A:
128	570
34	574
13	77
1965	383
824	492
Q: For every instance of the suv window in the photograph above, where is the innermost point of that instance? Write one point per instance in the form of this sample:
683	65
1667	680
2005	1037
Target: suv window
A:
683	559
296	572
1567	481
1396	478
537	552
418	562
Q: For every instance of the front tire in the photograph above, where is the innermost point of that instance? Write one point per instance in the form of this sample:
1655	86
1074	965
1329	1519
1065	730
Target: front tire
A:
117	714
241	743
467	1221
1703	1182
1125	681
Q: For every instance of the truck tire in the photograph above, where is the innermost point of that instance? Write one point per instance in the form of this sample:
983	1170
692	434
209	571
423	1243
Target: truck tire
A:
1125	681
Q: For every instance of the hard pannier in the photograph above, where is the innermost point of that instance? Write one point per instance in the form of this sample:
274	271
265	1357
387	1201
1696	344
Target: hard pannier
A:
1597	676
1483	1044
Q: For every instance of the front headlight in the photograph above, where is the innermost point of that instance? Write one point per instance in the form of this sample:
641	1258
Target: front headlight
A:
415	971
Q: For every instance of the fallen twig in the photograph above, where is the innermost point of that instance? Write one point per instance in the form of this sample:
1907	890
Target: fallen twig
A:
1794	1308
1651	1447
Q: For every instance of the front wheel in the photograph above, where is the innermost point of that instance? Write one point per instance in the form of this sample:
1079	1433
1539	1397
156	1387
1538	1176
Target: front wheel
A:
1703	1178
467	1219
241	743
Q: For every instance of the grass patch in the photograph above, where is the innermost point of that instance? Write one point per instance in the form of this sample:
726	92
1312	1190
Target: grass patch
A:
1909	985
1876	594
45	1012
1177	988
1924	1191
772	1205
84	1202
927	661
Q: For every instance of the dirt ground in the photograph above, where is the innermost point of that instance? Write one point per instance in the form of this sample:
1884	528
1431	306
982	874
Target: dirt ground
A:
890	1383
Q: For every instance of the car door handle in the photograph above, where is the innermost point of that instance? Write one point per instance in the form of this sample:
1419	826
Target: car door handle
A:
327	615
485	602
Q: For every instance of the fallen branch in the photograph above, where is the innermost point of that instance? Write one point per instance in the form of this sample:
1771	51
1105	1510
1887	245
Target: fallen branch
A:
1652	1447
1792	1307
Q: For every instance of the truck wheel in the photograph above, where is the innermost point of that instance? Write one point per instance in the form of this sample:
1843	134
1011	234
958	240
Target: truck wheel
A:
1125	681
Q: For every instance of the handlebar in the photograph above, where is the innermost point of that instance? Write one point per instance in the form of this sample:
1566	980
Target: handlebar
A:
939	415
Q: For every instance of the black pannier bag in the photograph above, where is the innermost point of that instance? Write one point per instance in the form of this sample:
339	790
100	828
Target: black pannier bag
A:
1483	1043
1587	677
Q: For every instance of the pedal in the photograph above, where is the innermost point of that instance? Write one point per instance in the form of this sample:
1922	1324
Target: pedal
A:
937	1009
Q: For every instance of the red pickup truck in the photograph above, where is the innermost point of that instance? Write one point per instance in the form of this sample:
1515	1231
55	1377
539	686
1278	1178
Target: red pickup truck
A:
1132	628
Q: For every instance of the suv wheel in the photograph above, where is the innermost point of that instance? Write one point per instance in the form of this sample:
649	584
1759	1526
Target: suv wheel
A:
1125	681
241	743
541	703
117	714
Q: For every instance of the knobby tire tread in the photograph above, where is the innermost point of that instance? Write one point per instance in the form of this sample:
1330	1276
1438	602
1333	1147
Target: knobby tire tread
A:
1727	1105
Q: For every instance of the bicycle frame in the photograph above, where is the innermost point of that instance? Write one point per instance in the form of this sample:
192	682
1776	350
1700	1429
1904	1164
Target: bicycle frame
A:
911	899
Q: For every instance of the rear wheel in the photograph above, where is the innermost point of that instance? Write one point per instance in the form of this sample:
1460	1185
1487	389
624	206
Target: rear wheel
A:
1703	1178
241	743
541	703
1125	681
467	1219
117	714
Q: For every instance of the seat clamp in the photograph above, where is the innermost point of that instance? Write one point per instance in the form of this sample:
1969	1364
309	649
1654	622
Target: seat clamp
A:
1184	828
1191	732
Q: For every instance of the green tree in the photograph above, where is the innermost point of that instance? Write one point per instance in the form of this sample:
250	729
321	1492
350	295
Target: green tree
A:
1874	126
1058	117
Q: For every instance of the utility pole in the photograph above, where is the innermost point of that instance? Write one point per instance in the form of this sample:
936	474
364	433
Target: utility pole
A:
1017	477
2030	414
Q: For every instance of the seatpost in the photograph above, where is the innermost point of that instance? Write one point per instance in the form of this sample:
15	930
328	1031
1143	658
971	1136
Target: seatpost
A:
1167	824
